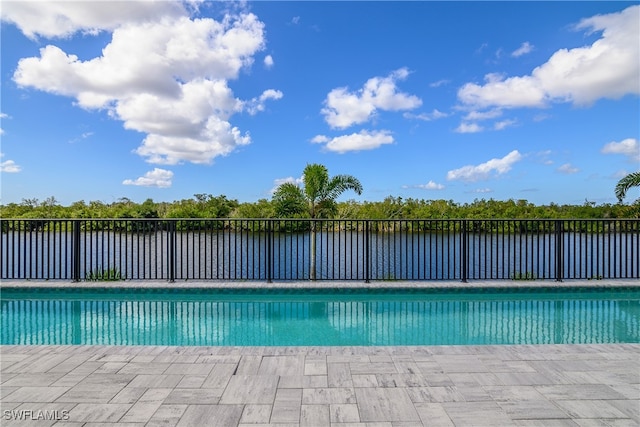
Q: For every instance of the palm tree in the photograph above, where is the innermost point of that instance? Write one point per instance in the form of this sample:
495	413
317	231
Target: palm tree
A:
631	180
315	199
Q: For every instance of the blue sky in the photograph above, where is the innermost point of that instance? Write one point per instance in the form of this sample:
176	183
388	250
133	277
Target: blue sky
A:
429	100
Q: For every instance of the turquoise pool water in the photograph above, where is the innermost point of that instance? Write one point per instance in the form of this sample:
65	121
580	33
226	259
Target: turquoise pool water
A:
319	317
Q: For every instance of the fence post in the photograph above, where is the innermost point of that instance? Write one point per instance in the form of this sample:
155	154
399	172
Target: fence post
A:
464	251
269	258
559	251
75	257
172	251
367	252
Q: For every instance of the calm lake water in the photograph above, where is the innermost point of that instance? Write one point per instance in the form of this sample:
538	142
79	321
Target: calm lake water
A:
345	255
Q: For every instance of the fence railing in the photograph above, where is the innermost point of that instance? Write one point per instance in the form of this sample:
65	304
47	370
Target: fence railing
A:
300	249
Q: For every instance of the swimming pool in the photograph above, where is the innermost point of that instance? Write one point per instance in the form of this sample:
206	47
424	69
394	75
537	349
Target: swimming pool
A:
319	317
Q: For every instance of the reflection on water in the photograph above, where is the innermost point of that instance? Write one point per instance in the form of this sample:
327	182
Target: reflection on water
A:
375	322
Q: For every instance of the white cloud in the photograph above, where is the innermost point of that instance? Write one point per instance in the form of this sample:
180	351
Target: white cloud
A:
256	105
344	108
483	115
431	185
469	128
628	147
364	140
485	170
279	181
524	48
482	190
167	78
295	20
608	68
9	166
504	124
3	116
156	178
427	117
439	83
57	18
268	61
568	169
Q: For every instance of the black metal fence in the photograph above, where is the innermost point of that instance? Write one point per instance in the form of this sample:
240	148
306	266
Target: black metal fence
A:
300	249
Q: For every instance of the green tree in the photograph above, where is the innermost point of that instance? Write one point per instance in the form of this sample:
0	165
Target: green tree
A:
631	180
316	198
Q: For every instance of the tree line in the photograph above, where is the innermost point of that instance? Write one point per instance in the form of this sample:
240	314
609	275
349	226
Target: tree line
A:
317	198
209	206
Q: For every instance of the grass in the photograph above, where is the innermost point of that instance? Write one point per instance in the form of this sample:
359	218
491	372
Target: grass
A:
518	275
101	274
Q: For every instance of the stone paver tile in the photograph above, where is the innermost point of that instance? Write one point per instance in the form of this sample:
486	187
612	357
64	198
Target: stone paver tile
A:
344	413
548	423
191	381
523	378
590	409
128	395
629	391
256	414
155	394
289	395
211	415
282	365
36	394
284	414
366	380
434	394
5	391
325	396
107	380
315	367
98	412
510	393
155	381
629	407
88	367
314	415
401	380
69	364
532	409
141	412
579	391
167	416
359	368
298	381
144	368
437	380
460	363
474	394
219	375
433	414
90	394
245	389
406	366
202	369
110	368
339	375
32	380
193	396
385	404
69	380
474	379
469	413
249	365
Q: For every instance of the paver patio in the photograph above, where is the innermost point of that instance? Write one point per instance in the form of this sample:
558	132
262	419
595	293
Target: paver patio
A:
530	385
